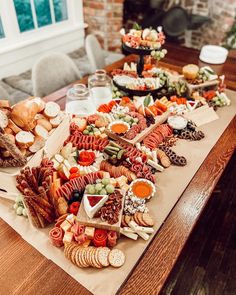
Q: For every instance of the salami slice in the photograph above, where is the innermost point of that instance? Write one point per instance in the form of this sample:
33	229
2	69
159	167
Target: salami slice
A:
56	236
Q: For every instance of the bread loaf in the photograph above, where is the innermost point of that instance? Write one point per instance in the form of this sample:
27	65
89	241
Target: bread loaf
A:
23	114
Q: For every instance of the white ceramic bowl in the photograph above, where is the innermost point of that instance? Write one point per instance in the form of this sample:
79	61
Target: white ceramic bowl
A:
213	54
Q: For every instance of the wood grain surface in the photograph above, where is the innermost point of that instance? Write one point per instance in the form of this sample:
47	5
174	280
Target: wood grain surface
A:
24	270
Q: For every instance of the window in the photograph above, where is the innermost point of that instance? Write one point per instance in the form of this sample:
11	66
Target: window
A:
2	34
33	14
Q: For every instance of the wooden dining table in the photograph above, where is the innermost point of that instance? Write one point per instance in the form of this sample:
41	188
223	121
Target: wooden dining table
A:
25	270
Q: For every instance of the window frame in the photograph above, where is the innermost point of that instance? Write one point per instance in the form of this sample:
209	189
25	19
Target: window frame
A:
14	38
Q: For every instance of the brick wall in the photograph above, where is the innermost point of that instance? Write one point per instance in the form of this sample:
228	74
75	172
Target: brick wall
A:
222	15
105	19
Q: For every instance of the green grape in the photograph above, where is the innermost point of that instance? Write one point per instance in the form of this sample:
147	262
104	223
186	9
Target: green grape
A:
105	181
103	192
24	212
91	190
136	120
18	199
98	186
15	206
110	188
86	132
19	210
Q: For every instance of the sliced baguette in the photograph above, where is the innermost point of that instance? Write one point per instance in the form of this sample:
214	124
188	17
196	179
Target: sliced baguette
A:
39	143
41	131
13	127
3	120
52	109
57	120
45	124
24	139
41	104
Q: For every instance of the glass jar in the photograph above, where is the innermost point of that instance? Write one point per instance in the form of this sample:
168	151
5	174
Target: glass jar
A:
100	87
79	102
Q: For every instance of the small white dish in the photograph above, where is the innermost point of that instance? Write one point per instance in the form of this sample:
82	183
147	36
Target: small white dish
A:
213	54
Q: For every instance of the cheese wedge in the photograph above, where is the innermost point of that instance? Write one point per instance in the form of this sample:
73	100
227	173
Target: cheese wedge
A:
93	203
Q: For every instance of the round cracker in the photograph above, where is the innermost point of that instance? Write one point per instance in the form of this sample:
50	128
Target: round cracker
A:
103	254
69	249
140	218
96	262
82	257
135	216
127	219
116	258
73	255
77	257
123	223
148	219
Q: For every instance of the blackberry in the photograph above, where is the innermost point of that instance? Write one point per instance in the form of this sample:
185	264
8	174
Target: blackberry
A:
150	120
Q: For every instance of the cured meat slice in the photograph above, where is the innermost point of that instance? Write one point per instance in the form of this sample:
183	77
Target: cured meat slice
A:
56	236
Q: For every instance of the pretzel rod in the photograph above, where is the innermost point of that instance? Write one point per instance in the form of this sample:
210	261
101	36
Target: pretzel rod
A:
43	193
20	188
41	211
28	192
33	214
31	181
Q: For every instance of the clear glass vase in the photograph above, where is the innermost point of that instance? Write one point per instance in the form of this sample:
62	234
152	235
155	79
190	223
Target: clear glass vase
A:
100	87
79	102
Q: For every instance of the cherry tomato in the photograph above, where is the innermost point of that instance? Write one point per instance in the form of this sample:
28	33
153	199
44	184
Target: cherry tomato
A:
74	170
74	208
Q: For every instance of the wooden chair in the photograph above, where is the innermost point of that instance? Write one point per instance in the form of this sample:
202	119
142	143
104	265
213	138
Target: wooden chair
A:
52	72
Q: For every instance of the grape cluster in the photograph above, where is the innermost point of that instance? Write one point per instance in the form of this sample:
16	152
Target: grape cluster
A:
158	54
19	206
102	187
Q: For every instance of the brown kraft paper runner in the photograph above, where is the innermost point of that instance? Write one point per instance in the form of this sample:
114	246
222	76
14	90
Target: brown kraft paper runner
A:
170	185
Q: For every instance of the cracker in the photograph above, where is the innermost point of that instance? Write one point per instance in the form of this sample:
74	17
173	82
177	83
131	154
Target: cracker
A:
140	219
123	223
97	263
69	249
116	258
148	219
74	254
103	254
82	257
77	257
127	219
135	217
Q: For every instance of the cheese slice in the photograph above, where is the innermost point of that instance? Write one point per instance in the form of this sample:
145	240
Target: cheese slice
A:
93	203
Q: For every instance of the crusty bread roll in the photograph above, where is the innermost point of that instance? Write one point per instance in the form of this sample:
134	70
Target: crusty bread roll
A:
24	139
23	114
45	123
41	131
39	143
51	110
190	71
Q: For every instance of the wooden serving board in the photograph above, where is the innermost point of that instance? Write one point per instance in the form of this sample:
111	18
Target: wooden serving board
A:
97	222
158	121
193	87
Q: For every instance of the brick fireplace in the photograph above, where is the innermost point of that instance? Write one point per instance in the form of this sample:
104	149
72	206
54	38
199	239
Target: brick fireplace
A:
106	17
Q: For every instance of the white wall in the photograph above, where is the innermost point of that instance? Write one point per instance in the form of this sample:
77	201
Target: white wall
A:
18	52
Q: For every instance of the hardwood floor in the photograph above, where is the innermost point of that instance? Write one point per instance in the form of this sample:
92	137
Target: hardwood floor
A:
207	265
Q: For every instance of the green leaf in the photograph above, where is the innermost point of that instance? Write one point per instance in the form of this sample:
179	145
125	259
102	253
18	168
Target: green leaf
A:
147	100
136	26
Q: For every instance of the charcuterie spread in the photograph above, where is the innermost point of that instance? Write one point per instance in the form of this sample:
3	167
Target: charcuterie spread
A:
97	188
